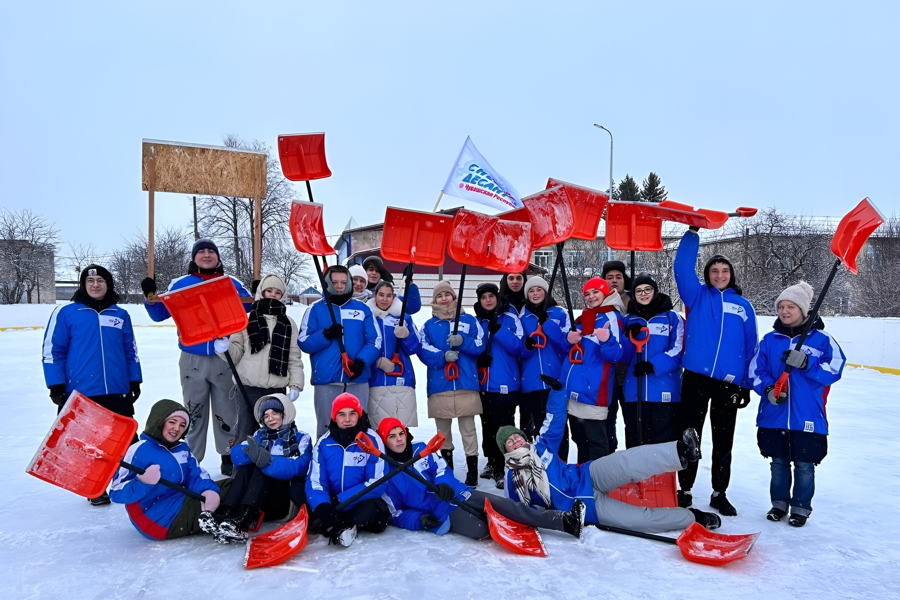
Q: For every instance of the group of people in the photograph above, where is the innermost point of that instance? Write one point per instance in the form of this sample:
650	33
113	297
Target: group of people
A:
519	350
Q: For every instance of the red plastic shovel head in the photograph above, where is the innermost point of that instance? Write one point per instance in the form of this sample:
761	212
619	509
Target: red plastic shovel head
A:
699	545
415	237
698	217
587	208
480	240
510	247
654	492
308	230
206	311
302	156
550	215
629	228
513	536
853	231
278	545
83	449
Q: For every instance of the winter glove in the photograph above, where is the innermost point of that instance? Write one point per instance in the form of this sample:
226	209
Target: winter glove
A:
484	360
134	391
795	358
554	384
408	271
328	518
573	337
333	332
770	394
401	332
494	325
256	453
58	394
445	493
454	340
357	369
741	398
221	345
385	365
211	500
644	368
293	394
694	228
254	286
603	333
429	522
633	329
451	356
529	343
150	476
148	286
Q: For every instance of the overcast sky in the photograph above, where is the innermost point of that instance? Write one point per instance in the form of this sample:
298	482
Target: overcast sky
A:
784	104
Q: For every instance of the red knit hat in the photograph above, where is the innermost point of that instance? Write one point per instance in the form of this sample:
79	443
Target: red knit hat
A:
595	283
387	425
343	401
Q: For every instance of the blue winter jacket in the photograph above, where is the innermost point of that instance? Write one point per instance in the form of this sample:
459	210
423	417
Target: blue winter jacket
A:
152	508
158	312
281	467
92	352
591	382
361	340
720	335
409	347
433	338
664	351
338	472
409	500
547	360
808	388
506	349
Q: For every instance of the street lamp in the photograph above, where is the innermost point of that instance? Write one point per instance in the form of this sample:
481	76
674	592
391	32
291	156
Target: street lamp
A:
609	251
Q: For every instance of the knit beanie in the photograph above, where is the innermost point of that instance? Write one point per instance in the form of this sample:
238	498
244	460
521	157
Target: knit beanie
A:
93	271
357	271
536	281
595	283
645	279
387	425
270	281
345	400
266	404
442	286
203	243
503	434
800	294
487	288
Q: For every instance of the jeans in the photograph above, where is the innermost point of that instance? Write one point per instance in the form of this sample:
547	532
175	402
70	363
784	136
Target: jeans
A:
804	486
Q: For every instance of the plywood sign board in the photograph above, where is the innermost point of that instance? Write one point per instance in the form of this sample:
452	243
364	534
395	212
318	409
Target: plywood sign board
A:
203	170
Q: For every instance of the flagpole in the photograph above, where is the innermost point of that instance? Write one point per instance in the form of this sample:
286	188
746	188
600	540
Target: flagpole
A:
440	268
438	201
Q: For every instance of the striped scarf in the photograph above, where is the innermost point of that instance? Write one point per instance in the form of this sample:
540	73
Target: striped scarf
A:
528	474
258	332
287	433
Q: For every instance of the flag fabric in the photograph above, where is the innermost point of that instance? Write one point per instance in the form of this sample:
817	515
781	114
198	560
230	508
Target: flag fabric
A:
473	178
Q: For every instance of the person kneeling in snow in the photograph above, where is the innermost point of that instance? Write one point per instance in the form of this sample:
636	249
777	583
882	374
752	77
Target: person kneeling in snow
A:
415	507
270	473
158	512
537	476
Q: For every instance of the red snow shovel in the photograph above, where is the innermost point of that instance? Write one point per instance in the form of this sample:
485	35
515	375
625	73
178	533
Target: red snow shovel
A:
302	156
629	226
206	311
849	238
716	218
587	208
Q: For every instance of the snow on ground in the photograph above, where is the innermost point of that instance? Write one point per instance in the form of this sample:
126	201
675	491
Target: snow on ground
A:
53	543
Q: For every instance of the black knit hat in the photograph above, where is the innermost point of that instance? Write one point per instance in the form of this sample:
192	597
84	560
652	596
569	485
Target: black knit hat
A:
720	258
616	265
94	270
204	243
485	288
644	279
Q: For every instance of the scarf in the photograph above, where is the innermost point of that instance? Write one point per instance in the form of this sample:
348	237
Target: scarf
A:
81	297
793	332
445	313
393	310
402	457
660	304
281	338
347	437
528	474
206	274
287	433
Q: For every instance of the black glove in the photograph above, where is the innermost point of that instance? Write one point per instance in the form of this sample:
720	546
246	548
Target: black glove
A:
633	330
328	518
256	453
643	368
408	271
445	493
429	522
553	383
134	391
694	228
541	314
529	343
741	398
357	368
58	394
333	332
254	286
494	325
484	360
148	286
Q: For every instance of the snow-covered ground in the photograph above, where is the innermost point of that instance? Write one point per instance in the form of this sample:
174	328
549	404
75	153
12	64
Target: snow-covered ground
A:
54	544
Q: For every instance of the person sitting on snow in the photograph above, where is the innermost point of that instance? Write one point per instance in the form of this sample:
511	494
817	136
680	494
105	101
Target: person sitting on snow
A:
415	507
158	512
270	473
536	476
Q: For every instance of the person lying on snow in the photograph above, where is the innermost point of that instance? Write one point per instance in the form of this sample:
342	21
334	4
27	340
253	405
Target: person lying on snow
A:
538	477
270	473
156	511
415	507
339	470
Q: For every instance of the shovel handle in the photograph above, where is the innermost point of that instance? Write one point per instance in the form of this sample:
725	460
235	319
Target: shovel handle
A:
396	360
574	350
346	364
539	335
169	484
640	534
451	371
366	444
483	375
639	344
782	384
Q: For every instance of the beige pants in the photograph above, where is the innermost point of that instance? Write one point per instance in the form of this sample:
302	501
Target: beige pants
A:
466	430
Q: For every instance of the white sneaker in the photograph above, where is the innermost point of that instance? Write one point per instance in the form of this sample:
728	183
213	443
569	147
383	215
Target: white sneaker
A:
345	537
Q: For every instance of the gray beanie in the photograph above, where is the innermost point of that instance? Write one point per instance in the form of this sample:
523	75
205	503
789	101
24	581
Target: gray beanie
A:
800	294
538	282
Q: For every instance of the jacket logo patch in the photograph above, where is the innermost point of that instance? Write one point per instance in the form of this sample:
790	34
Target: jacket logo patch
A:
401	381
659	328
354	459
463	327
351	314
573	396
108	321
809	427
735	309
667	396
421	465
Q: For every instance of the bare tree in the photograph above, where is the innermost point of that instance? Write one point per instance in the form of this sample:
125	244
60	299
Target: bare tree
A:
292	266
27	246
874	290
172	254
75	258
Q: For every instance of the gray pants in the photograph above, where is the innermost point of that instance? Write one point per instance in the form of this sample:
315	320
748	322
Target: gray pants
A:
205	381
323	398
632	465
467	524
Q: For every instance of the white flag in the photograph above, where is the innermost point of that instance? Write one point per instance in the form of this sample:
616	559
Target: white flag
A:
473	178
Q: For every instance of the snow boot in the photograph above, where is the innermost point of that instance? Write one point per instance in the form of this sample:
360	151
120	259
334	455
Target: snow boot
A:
719	502
688	447
344	537
227	467
488	471
707	519
776	514
447	455
499	478
238	527
797	520
685	498
573	519
472	474
101	500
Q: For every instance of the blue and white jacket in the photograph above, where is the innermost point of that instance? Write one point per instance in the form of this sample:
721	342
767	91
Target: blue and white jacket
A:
808	388
408	347
152	508
281	467
92	352
409	500
158	312
506	349
547	360
362	340
664	351
341	472
591	382
433	338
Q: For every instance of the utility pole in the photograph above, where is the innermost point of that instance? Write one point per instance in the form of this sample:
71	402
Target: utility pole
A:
196	233
610	255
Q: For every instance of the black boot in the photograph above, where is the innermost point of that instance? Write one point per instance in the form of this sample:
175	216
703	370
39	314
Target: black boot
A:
573	520
685	498
688	447
499	476
707	519
227	467
447	455
101	500
238	527
488	472
472	466
719	502
796	520
776	514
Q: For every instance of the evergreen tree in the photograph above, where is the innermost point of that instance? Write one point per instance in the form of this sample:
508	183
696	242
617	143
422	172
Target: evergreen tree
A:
627	190
653	190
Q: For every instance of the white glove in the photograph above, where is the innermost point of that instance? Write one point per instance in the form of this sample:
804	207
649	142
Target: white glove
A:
150	476
293	394
451	356
573	337
385	365
221	345
454	340
401	332
211	500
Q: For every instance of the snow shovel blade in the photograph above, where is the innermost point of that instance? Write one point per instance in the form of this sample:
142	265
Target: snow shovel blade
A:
411	236
280	544
587	208
81	453
510	247
853	231
479	240
302	156
628	227
513	536
206	311
698	217
550	215
654	492
697	544
307	229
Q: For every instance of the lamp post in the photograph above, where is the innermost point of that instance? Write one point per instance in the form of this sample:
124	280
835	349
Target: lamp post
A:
609	252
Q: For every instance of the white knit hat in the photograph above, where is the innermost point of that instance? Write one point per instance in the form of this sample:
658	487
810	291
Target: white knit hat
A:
536	281
800	294
357	271
270	281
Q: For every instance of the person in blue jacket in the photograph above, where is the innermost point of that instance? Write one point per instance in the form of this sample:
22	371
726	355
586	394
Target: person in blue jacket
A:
417	508
452	397
206	383
720	341
319	333
536	476
793	426
393	395
89	346
659	367
339	470
270	473
498	371
156	511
